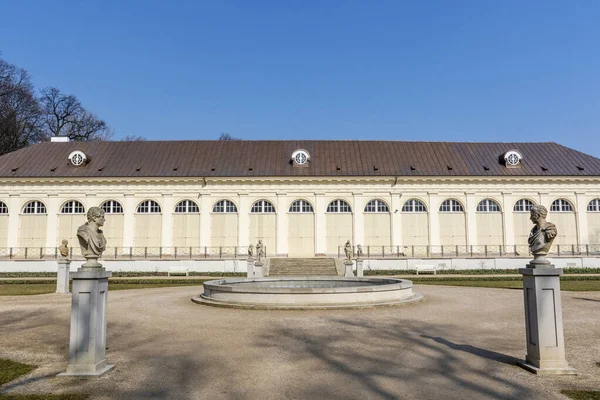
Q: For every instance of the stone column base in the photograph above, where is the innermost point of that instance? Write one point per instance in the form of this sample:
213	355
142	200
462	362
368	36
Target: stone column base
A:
544	322
250	268
62	277
359	267
87	345
258	270
87	371
547	371
349	273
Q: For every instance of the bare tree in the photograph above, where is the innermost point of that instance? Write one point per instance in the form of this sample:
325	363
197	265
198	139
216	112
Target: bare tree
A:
20	115
65	116
133	138
227	136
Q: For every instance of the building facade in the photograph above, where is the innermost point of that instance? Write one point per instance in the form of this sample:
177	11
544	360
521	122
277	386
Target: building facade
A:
302	198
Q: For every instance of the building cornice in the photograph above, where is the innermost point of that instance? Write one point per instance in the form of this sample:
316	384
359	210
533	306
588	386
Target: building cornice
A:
389	180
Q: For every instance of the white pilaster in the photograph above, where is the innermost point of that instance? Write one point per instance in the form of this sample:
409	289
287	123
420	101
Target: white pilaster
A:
471	218
320	230
434	219
52	204
244	220
205	210
14	211
359	218
396	210
508	202
168	208
129	205
282	224
581	215
545	199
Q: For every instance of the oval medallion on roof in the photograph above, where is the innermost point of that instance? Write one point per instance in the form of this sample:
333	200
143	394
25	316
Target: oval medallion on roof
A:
512	158
300	157
77	158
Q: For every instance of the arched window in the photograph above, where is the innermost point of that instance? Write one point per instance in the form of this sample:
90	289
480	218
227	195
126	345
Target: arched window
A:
187	207
301	206
148	207
224	206
414	205
34	207
262	206
377	206
339	206
561	205
523	205
451	205
594	206
72	207
112	207
3	208
488	205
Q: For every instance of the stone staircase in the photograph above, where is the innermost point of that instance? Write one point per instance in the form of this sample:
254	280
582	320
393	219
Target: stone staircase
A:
302	266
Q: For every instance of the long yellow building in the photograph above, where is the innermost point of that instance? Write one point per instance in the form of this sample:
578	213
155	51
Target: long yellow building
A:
301	198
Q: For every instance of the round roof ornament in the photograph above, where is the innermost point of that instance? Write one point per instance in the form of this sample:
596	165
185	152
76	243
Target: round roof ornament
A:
300	157
512	158
77	158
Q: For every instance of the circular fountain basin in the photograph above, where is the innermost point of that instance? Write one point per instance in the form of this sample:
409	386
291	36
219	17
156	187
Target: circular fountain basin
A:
307	292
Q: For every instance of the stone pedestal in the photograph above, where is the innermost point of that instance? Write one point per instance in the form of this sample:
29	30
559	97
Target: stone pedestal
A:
87	348
349	273
258	269
543	322
250	268
359	267
62	277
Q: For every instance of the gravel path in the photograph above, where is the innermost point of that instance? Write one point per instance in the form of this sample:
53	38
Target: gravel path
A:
460	343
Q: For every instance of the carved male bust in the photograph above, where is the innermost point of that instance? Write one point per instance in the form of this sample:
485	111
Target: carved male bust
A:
91	238
542	234
359	251
63	248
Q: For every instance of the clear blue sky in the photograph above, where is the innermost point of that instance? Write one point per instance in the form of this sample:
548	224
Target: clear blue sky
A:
399	70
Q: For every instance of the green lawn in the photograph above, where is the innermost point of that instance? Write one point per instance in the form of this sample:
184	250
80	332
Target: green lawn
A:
9	289
567	285
67	396
570	283
10	370
582	394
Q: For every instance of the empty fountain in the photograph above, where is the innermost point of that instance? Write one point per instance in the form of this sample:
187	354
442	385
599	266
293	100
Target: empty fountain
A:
307	292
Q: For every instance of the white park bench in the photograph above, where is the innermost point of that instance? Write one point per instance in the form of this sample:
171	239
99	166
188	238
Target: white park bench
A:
178	271
426	268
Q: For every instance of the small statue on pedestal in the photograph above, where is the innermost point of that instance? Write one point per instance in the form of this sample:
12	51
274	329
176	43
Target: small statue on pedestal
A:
91	238
250	251
541	236
260	251
64	249
348	251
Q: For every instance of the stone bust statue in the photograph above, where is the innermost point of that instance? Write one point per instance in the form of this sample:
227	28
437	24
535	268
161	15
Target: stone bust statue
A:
250	250
541	236
359	251
63	248
91	238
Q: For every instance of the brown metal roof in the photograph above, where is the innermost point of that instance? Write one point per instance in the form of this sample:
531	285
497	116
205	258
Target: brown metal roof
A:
272	158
